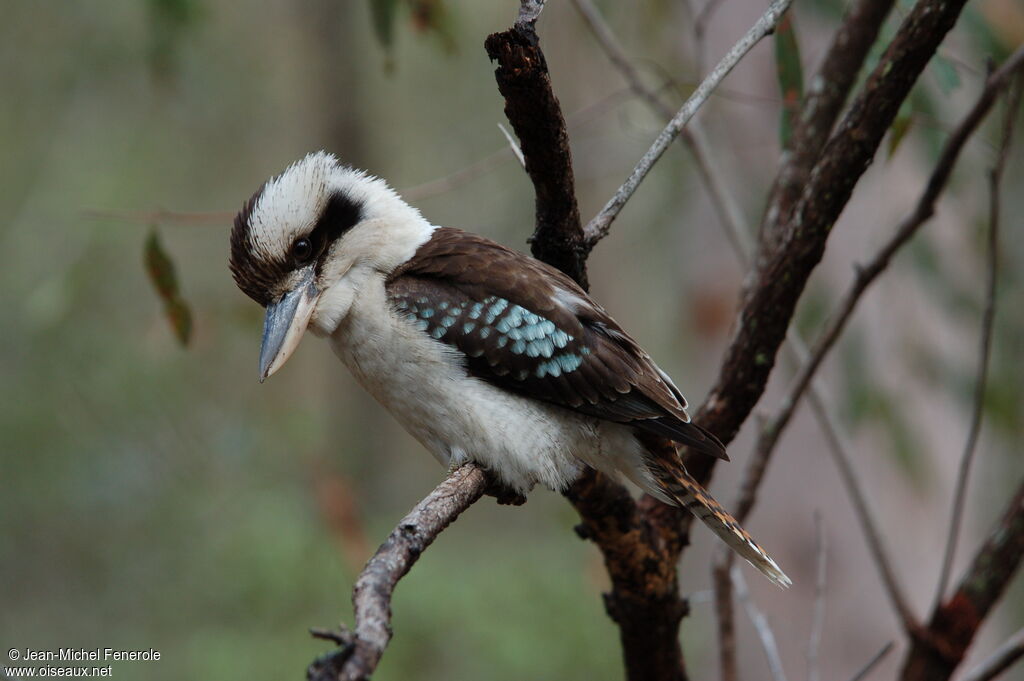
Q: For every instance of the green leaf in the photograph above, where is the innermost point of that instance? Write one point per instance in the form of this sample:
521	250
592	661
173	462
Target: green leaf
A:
383	15
791	76
161	273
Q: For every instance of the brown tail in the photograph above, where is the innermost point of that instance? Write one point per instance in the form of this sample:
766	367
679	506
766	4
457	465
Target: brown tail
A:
680	486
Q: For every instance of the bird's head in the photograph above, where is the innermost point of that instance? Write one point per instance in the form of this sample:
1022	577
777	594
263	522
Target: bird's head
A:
306	241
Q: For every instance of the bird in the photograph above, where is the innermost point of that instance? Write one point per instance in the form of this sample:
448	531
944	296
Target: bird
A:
482	353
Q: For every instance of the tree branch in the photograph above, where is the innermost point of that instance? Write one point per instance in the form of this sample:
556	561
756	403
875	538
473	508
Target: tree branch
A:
954	623
984	347
822	103
644	598
866	275
785	263
863	672
598	227
358	657
761	626
999	661
536	116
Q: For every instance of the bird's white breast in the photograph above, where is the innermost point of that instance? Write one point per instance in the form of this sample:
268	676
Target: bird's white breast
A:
457	417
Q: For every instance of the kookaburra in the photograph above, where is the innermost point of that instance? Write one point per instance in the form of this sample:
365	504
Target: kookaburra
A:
482	353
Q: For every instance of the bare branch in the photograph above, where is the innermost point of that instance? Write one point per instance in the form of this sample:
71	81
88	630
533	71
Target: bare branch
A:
818	618
536	116
823	100
739	238
598	227
866	275
783	265
692	136
760	622
984	348
159	217
726	622
458	178
529	12
372	593
513	145
954	624
641	558
863	672
1001	659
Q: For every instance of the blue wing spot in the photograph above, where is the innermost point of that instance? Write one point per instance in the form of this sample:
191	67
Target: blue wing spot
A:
544	347
468	327
497	307
476	310
560	339
446	322
443	305
569	361
422	324
551	367
518	347
437	332
485	331
502	341
427	313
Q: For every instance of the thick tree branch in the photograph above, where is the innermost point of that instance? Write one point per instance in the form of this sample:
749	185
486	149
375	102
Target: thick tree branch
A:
954	622
866	275
822	103
536	117
785	263
362	650
641	561
644	599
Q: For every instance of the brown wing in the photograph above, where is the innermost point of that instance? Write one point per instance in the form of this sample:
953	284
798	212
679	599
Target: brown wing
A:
528	328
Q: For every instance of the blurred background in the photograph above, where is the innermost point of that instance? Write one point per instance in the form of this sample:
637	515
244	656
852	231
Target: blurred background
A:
155	495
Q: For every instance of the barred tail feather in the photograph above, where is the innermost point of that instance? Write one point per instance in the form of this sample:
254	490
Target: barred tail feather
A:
688	493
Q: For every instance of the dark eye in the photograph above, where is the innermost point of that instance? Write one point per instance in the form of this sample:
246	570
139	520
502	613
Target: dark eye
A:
302	250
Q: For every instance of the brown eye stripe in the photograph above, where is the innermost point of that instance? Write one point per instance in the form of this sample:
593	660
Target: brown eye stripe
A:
341	214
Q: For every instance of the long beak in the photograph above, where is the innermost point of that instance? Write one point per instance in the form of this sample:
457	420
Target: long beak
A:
285	324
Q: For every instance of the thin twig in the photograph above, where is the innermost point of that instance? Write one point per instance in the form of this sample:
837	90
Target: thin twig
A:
691	135
760	622
953	625
984	348
1001	659
514	145
371	596
701	19
529	12
598	228
726	622
873	662
161	216
818	618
